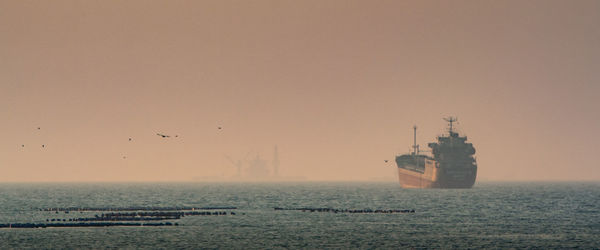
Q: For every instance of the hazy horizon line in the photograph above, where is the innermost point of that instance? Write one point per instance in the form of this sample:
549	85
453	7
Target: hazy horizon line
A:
277	182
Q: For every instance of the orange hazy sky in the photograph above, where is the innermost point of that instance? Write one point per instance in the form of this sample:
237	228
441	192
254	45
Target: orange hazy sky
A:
336	85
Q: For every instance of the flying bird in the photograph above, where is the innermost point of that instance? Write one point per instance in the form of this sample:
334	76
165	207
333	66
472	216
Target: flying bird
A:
39	128
43	146
129	139
163	136
386	160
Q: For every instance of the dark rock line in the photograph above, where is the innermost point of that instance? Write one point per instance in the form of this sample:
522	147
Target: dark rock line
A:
93	224
95	209
352	211
143	216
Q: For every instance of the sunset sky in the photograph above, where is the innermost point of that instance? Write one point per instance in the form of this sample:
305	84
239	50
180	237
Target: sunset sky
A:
336	85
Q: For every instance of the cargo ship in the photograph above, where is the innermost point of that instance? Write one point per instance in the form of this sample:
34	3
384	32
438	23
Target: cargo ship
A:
451	165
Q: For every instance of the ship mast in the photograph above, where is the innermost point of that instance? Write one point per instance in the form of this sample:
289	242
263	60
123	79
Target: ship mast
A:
415	146
450	120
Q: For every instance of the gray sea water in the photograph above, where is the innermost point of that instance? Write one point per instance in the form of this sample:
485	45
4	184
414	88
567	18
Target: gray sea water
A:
490	215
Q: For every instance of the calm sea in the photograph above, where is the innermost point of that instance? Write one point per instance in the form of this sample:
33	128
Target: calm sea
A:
490	215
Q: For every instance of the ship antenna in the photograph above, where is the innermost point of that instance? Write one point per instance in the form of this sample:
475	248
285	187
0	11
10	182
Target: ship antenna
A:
450	120
415	146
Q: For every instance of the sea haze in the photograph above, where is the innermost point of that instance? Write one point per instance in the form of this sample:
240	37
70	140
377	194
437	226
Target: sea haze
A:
490	215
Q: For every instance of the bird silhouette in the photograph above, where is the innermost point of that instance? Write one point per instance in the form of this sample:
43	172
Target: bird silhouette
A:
386	160
129	139
163	136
